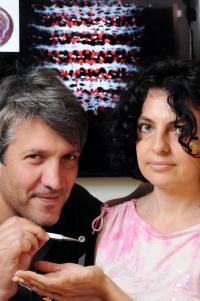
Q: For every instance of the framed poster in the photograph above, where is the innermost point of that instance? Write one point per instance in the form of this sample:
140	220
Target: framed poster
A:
97	46
9	26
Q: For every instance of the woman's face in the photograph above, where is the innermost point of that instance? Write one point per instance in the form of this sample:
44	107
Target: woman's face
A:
161	158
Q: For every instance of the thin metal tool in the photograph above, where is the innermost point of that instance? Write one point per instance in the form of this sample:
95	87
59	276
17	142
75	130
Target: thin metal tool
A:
25	286
62	237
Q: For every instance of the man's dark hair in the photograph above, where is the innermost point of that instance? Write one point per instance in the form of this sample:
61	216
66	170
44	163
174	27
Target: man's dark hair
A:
39	93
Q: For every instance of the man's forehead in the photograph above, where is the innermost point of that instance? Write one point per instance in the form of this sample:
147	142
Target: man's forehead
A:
37	130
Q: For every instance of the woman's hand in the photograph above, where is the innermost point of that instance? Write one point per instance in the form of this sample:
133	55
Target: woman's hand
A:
65	281
71	282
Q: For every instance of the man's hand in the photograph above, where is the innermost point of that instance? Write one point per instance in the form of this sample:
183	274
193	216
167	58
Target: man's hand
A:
20	239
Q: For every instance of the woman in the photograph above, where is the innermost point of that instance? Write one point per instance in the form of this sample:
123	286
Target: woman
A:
149	247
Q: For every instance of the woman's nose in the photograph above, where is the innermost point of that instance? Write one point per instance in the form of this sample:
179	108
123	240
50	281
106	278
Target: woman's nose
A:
161	143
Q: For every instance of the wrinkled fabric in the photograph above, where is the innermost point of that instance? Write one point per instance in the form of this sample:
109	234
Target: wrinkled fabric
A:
147	264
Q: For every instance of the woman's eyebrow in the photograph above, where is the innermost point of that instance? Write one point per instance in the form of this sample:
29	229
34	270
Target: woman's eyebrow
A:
145	118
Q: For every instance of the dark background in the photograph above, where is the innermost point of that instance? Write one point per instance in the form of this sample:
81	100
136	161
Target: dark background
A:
165	34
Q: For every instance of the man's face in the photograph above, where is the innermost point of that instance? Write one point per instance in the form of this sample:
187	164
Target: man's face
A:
38	173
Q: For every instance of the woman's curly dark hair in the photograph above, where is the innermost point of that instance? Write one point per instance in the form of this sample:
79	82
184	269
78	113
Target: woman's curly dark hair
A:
181	80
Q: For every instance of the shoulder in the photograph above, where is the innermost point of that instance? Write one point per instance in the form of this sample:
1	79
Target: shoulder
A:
118	205
81	204
80	196
115	218
112	214
141	190
80	191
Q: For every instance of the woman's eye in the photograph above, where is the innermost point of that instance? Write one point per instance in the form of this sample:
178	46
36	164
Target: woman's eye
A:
179	130
71	157
144	128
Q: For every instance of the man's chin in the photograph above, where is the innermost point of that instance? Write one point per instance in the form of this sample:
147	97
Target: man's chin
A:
45	221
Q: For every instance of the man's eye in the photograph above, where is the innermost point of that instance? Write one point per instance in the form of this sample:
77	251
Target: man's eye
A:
34	156
144	128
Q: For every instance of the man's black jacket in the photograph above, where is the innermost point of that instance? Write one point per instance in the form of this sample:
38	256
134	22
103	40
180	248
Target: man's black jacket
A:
77	215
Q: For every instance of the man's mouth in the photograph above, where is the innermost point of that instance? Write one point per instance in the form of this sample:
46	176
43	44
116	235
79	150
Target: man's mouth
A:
50	199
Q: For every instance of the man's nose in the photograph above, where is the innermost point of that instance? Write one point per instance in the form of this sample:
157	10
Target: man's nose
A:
52	176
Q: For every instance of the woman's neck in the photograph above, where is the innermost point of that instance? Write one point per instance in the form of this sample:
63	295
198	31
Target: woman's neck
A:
170	211
176	200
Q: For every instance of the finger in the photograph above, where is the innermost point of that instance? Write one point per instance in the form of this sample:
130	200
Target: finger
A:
31	278
15	228
45	293
23	283
26	243
60	297
40	289
29	242
19	223
47	267
21	242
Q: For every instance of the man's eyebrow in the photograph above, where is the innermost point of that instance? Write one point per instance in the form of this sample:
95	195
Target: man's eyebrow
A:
32	150
77	150
44	151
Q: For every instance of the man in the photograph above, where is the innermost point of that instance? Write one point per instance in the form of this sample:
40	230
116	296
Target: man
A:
42	132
